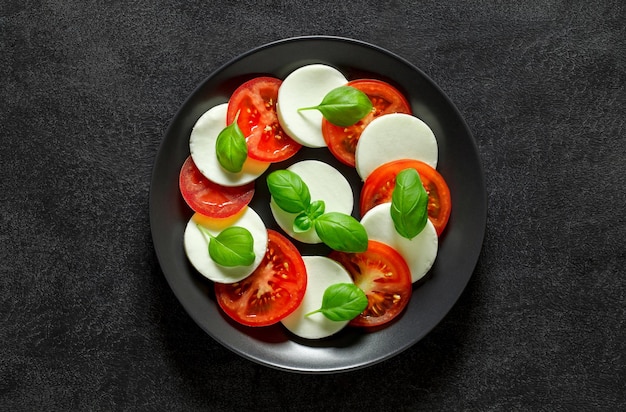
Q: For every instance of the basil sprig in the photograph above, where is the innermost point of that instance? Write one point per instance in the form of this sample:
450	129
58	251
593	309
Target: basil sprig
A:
231	247
231	148
409	204
338	231
343	106
341	302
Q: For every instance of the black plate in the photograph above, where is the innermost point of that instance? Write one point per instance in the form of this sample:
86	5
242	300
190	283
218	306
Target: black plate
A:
460	244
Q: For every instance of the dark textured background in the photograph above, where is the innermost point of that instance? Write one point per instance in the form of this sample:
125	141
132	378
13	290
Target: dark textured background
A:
87	320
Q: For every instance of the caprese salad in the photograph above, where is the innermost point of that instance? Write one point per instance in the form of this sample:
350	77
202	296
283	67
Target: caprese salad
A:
260	277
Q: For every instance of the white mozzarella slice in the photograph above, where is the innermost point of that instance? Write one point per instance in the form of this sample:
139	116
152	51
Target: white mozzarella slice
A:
419	252
202	147
325	183
322	272
306	87
197	246
391	137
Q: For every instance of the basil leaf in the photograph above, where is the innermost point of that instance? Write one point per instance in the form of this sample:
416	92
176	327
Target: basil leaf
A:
341	232
231	247
409	204
342	301
343	106
289	191
316	209
231	148
302	223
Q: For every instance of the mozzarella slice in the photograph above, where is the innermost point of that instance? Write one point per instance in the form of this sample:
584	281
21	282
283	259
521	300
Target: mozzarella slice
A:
306	87
325	183
202	147
322	272
197	246
419	252
392	137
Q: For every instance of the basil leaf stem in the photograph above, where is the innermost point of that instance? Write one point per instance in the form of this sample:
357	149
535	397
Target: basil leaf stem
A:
342	302
289	191
343	106
231	147
341	232
231	247
409	204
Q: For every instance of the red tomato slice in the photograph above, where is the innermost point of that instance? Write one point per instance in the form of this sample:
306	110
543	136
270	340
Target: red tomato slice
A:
379	186
385	98
209	198
273	291
255	101
385	278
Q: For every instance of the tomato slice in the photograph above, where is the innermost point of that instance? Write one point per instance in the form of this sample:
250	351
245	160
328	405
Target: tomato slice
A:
384	276
207	197
385	98
255	101
273	291
379	186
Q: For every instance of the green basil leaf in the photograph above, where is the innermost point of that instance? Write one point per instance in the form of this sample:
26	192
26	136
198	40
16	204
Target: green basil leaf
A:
316	209
341	232
231	247
343	106
231	148
409	204
302	223
289	191
342	302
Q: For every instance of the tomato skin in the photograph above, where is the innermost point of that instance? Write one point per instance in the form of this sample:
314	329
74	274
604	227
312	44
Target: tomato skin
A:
255	101
209	198
273	291
385	99
379	186
382	273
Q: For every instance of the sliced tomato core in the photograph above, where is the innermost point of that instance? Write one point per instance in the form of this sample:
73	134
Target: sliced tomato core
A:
384	276
379	185
385	99
255	104
273	291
